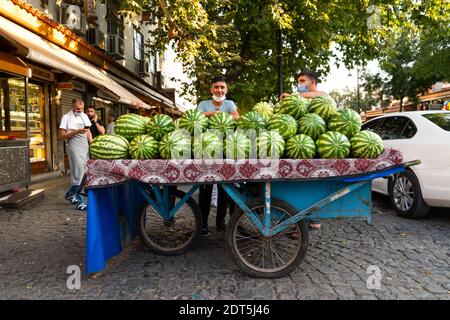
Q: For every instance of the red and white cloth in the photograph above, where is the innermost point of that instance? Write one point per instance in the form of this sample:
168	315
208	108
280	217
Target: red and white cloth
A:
106	172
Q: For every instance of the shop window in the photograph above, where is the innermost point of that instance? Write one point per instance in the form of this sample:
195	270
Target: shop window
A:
13	116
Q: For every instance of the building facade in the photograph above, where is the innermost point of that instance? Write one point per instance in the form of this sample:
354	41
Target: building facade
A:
54	51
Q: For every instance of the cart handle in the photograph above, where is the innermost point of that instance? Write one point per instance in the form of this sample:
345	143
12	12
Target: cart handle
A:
412	163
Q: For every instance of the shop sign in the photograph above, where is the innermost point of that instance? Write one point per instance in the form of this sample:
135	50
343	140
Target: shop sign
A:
64	85
79	86
39	73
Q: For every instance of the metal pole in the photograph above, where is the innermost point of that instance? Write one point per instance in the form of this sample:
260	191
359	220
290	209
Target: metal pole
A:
279	63
357	88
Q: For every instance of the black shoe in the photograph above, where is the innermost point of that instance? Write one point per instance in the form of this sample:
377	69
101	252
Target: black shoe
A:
204	232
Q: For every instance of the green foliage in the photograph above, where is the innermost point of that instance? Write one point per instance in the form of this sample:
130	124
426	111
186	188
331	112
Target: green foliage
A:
238	37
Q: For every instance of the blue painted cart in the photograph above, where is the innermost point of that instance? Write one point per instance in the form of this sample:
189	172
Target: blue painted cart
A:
267	236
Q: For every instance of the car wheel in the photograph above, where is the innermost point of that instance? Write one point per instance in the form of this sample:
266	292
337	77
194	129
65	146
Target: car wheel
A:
406	196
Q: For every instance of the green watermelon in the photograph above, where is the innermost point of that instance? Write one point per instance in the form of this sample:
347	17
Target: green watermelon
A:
109	146
285	124
237	146
252	120
223	122
366	144
159	126
176	123
207	146
175	145
270	144
194	121
293	105
333	145
312	125
264	108
300	146
346	121
324	106
130	125
144	147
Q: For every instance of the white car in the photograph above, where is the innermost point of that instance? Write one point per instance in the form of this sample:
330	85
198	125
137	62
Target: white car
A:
419	135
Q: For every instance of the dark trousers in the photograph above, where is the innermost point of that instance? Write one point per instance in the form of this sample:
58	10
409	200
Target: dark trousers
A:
223	202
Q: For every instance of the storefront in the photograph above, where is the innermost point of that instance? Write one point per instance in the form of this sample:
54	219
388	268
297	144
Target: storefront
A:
14	124
13	116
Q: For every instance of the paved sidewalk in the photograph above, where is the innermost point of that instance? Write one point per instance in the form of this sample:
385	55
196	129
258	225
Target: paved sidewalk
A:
38	245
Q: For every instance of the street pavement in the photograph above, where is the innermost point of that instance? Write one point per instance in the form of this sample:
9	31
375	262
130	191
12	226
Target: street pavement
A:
37	246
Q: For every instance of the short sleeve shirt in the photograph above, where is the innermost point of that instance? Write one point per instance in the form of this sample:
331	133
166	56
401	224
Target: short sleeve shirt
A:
94	130
80	125
228	106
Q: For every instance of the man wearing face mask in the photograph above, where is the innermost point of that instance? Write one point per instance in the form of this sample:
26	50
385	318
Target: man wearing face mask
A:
306	85
218	103
307	88
74	128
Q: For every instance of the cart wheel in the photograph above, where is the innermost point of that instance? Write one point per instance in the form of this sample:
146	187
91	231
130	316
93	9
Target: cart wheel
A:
175	236
267	257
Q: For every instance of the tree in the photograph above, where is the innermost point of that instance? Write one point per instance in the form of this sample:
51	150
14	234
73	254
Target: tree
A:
238	38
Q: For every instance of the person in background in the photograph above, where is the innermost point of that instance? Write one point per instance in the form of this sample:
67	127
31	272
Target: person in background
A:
74	128
307	81
111	124
218	103
97	127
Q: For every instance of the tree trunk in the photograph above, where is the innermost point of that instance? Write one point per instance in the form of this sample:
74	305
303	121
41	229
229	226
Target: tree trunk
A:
401	104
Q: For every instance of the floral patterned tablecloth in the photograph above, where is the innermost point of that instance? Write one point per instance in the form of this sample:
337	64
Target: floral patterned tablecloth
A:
191	171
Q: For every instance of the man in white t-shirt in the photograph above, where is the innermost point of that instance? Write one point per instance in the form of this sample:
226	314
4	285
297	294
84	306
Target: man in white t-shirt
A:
74	128
218	103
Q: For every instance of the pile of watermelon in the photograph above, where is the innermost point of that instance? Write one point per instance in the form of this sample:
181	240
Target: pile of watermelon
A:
295	128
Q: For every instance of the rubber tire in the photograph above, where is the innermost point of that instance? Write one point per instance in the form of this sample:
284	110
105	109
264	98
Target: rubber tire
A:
419	208
198	217
255	273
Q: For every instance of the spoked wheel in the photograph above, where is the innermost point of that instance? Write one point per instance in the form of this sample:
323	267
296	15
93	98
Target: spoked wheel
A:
175	236
267	257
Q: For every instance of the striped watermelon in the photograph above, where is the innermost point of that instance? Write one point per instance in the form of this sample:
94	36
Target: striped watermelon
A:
252	120
144	147
264	108
194	121
159	126
237	146
223	122
367	144
207	146
109	146
333	145
285	124
293	105
324	106
130	125
176	123
277	107
312	125
346	121
300	146
175	145
270	144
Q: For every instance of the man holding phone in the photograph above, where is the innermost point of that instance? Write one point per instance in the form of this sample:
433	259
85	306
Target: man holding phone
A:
97	127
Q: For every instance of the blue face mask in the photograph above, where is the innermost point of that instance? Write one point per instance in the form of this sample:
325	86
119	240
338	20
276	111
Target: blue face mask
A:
301	88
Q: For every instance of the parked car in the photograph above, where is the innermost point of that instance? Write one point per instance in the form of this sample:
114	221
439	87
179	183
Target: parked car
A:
422	135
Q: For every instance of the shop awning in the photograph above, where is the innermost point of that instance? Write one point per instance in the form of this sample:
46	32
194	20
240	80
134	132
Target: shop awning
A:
45	52
14	65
